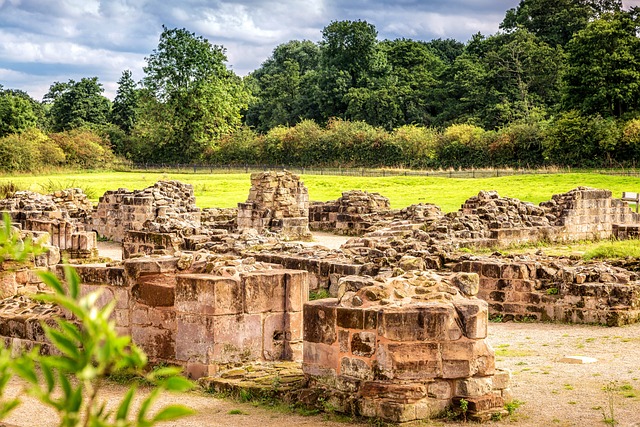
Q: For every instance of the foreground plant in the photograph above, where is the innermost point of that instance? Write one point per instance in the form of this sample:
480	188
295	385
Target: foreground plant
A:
86	349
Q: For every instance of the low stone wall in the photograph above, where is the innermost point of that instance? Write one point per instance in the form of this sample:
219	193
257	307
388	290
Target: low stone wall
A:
548	291
201	321
322	272
404	349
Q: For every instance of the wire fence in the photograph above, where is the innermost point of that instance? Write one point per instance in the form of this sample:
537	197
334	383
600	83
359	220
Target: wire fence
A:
366	172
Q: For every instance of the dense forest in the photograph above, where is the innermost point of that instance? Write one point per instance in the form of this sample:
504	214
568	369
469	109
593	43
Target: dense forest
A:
559	84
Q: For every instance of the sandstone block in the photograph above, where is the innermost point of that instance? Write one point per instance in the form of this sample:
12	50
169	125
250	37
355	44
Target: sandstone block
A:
431	321
474	315
410	361
355	368
238	338
264	291
320	321
194	337
208	295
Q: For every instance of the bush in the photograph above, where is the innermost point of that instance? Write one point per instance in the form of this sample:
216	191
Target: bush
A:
29	151
360	144
463	146
631	139
518	145
238	148
84	148
417	145
583	141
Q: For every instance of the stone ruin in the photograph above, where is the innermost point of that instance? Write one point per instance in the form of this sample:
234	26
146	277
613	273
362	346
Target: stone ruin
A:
278	202
404	349
351	214
403	338
59	219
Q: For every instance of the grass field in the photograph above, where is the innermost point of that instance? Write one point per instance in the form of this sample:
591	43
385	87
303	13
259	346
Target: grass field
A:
220	190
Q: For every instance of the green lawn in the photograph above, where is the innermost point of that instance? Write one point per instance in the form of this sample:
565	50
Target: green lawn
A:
220	190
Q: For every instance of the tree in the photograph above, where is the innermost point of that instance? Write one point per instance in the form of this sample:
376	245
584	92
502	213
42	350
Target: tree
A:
349	58
16	113
447	50
555	21
278	87
123	111
76	104
415	72
198	98
526	74
603	75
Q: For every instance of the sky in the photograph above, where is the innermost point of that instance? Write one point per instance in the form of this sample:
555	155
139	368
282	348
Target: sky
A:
44	41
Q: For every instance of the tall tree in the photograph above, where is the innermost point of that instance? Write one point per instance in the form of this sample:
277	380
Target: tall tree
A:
555	21
200	100
415	71
123	111
349	59
278	85
76	104
603	74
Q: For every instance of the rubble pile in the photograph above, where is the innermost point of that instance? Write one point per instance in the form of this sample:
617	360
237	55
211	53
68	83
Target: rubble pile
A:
352	214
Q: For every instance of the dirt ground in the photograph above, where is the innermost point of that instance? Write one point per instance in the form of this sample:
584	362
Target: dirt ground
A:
554	393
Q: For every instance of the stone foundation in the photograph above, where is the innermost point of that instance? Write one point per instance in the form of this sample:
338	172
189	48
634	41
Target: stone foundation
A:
352	214
404	349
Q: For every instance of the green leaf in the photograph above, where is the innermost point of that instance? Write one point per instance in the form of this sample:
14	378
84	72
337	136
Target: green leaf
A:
47	372
178	383
123	409
163	373
25	369
52	281
63	343
65	385
73	280
75	400
146	403
172	412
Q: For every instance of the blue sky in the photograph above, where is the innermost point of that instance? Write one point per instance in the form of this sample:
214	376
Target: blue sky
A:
43	41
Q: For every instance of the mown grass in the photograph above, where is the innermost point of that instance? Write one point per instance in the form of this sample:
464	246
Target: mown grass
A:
614	250
226	190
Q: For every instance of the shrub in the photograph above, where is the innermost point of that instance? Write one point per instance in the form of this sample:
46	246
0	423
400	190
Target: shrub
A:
518	144
84	148
417	145
463	146
238	148
29	151
576	140
87	349
631	138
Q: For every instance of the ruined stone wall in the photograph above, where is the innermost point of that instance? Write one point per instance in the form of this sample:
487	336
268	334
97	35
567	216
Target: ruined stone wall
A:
549	291
322	271
61	215
352	214
238	312
165	207
404	349
588	213
278	202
